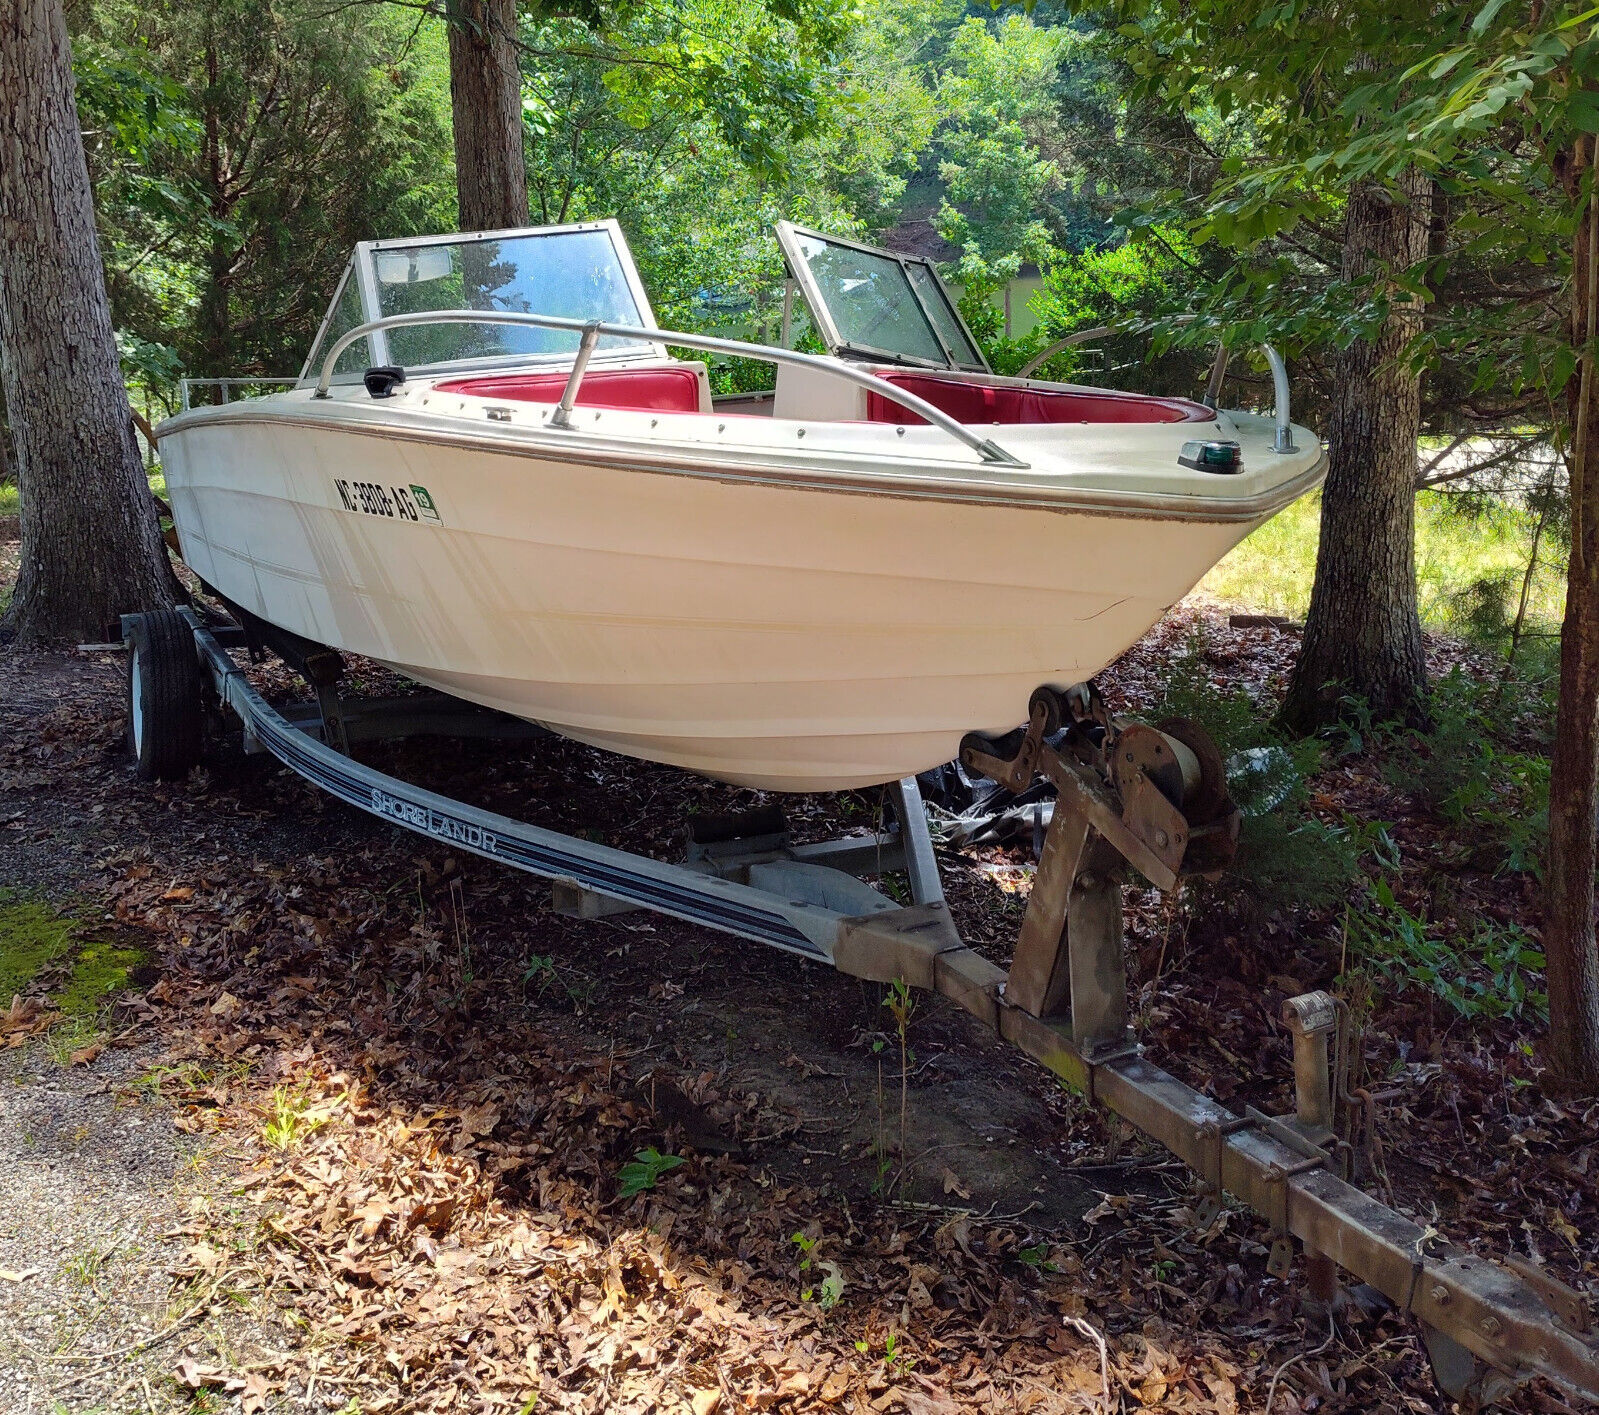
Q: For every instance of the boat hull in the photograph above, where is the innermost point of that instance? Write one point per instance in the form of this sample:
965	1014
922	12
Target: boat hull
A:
785	637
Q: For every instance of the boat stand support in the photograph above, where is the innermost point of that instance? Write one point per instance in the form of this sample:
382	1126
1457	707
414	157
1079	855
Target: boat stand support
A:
1152	799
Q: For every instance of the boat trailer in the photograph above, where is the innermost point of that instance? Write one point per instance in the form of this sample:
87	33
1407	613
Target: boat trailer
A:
1128	795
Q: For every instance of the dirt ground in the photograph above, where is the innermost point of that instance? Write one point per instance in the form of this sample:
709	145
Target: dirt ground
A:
359	1134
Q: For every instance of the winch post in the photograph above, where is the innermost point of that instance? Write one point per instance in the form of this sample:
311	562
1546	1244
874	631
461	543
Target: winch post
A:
1070	953
1311	1019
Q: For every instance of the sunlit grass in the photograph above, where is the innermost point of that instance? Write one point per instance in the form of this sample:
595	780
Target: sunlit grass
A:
11	497
1461	562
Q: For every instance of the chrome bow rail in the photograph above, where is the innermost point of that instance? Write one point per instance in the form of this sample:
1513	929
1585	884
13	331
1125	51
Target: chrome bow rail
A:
592	330
227	385
1282	439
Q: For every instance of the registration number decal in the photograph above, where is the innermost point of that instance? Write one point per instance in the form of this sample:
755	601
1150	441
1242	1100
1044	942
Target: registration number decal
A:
403	503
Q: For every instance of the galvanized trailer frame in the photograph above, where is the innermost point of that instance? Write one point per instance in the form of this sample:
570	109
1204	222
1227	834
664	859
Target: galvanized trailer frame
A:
1121	793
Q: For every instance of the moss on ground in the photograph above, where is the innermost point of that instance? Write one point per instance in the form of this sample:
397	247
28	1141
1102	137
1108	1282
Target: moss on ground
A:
33	936
99	972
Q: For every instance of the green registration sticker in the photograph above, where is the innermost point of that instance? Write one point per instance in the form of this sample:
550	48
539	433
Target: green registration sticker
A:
424	503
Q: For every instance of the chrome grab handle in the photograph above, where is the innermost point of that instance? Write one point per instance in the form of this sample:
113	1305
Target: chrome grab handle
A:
562	416
1282	437
591	330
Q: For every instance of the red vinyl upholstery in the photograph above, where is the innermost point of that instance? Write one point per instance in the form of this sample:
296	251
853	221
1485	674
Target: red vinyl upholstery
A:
657	389
982	403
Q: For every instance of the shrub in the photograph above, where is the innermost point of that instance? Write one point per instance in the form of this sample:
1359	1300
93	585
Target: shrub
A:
1492	974
1285	855
1462	770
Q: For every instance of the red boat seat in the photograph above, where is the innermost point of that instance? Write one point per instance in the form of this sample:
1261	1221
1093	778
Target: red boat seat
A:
982	403
655	389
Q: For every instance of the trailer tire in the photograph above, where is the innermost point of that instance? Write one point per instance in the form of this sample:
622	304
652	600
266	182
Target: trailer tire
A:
166	716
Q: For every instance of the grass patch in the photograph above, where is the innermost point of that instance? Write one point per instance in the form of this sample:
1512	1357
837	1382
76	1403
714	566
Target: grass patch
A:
1468	567
34	937
99	972
71	1035
292	1115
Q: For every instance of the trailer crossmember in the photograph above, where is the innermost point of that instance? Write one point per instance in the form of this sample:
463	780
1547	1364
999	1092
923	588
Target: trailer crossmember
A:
1128	794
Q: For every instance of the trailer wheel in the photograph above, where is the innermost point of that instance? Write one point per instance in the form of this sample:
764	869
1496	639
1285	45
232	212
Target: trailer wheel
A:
166	723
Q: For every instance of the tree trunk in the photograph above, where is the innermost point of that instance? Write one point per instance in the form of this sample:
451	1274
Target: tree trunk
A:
1569	941
1362	635
486	104
91	546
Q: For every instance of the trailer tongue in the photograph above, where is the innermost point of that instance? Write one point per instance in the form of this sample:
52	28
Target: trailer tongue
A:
1153	798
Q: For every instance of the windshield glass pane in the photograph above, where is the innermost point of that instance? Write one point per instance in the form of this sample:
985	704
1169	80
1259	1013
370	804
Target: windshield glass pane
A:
870	300
944	316
574	274
346	315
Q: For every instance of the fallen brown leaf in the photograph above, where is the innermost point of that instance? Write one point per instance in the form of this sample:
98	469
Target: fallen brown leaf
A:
252	1399
953	1185
192	1374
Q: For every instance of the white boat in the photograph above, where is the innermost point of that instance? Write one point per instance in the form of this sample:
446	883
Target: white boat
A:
494	476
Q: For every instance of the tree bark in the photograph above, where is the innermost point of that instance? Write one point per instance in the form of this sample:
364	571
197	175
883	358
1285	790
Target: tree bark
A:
486	104
91	545
1570	948
1362	634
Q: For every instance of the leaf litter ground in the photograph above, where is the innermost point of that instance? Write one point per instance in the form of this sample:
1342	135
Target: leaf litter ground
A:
408	1094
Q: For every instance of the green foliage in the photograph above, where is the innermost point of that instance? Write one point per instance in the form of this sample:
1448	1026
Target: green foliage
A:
1037	1257
895	1356
238	149
1496	797
1113	284
832	1287
695	185
1483	976
1287	862
997	95
1392	100
644	1171
291	1116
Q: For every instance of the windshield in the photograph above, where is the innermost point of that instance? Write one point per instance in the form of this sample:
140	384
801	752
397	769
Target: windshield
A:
878	304
572	273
